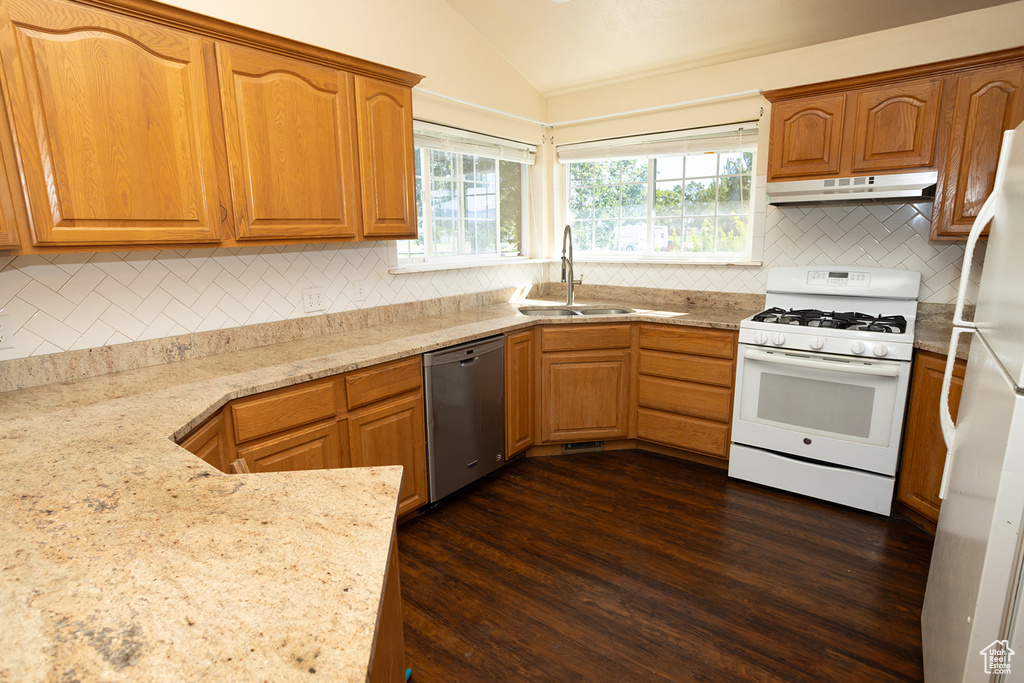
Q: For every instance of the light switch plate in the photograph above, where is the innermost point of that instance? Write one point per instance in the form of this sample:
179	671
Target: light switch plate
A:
6	335
313	300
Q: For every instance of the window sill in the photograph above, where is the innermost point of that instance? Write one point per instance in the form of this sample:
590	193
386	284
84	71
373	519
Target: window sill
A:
430	266
663	261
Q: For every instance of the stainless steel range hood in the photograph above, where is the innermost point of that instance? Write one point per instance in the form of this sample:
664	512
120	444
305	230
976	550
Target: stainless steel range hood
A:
896	187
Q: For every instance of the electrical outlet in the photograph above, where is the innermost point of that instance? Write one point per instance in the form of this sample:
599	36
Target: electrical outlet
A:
360	286
313	300
6	335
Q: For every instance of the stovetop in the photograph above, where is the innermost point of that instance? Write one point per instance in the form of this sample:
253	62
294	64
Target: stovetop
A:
845	320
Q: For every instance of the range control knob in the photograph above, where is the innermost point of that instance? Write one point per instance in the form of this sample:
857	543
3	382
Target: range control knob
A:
879	350
760	338
817	343
857	348
778	339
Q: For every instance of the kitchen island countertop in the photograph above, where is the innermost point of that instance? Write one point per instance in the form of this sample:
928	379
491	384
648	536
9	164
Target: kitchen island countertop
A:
126	557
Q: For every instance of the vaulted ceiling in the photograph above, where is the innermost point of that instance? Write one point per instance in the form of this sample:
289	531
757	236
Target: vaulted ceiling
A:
560	46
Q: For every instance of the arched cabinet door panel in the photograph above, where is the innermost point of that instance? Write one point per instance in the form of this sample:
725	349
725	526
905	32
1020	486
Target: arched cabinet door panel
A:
988	102
896	126
291	146
112	122
384	116
806	137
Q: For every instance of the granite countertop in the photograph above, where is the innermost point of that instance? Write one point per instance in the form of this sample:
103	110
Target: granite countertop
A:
126	557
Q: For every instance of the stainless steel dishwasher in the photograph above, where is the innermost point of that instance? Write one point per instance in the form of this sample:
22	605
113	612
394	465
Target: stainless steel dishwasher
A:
465	388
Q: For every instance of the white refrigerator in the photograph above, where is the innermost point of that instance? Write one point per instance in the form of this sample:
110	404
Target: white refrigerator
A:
972	625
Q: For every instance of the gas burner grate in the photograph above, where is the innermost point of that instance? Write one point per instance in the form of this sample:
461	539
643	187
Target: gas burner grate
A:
846	320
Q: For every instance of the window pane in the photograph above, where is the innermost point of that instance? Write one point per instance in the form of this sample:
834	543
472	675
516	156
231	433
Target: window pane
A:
701	165
666	168
445	234
443	199
606	235
699	197
583	235
511	210
631	170
668	235
480	202
734	194
668	199
733	233
442	164
633	236
634	201
735	163
606	202
581	202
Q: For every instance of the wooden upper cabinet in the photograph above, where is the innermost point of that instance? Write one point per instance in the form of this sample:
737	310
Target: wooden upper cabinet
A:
290	140
384	116
806	136
896	126
112	121
988	102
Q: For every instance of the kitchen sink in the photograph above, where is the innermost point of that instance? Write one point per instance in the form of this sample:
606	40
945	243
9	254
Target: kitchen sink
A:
547	312
606	311
560	311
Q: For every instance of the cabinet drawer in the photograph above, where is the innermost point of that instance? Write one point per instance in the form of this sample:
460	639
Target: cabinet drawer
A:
381	381
687	368
697	341
688	433
583	337
685	398
311	448
283	409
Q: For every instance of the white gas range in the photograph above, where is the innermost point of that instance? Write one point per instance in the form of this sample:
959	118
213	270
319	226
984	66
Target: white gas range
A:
821	383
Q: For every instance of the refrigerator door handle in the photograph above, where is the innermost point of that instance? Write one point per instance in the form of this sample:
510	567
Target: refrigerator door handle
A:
985	214
945	416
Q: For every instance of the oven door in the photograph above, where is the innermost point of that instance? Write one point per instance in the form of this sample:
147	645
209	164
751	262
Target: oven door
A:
836	409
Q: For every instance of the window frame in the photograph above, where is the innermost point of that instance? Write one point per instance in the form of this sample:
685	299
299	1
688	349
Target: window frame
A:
661	145
461	144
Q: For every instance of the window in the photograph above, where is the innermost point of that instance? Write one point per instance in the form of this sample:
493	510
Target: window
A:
684	195
470	196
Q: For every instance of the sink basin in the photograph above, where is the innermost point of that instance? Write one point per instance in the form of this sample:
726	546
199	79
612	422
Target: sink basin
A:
547	312
605	311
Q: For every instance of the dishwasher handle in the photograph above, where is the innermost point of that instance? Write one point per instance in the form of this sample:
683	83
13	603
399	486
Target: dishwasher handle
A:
469	361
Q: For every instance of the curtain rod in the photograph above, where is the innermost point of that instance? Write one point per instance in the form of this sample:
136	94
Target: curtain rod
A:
599	117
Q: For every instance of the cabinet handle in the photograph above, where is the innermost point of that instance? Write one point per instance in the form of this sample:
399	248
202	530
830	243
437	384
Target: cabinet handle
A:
223	213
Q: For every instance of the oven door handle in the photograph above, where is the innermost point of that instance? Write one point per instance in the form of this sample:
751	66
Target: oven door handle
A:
878	370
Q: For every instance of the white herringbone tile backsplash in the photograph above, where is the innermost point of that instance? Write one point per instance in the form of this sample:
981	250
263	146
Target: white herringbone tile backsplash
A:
78	301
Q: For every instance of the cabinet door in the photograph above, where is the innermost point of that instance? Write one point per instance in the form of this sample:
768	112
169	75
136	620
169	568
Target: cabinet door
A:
392	433
924	451
384	116
988	102
112	122
519	391
585	395
806	137
210	443
315	447
896	126
291	146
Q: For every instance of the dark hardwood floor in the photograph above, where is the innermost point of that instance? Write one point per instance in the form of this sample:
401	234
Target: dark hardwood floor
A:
625	566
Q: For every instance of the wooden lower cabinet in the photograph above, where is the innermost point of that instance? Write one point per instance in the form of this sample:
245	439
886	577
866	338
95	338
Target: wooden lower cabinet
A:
392	433
924	451
685	387
520	389
388	662
585	395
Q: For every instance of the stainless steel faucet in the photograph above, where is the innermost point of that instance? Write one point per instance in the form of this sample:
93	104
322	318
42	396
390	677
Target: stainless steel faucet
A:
567	266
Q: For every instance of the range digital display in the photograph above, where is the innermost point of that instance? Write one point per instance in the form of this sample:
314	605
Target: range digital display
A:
839	275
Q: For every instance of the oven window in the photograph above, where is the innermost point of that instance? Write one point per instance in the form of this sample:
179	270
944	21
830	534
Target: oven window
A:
831	407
